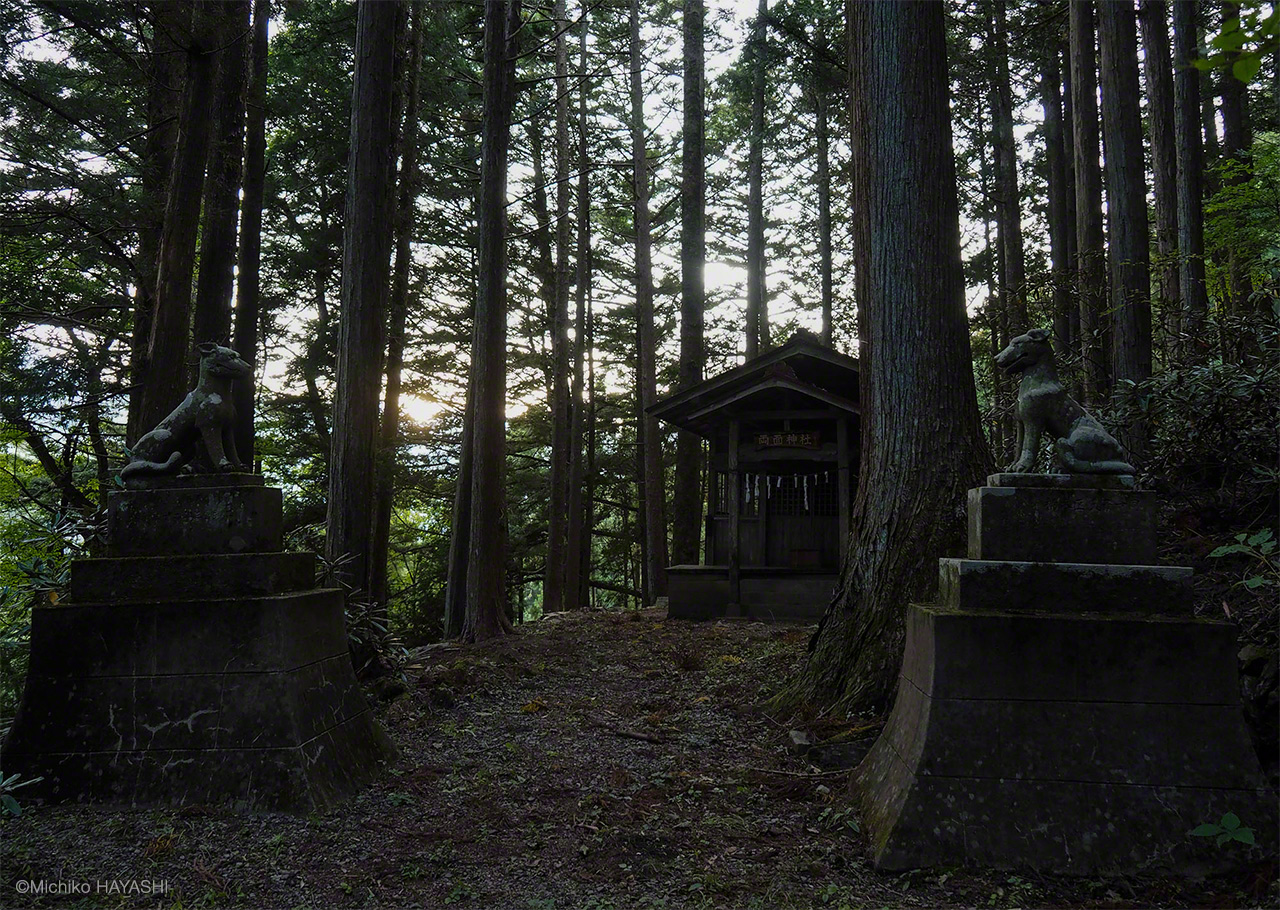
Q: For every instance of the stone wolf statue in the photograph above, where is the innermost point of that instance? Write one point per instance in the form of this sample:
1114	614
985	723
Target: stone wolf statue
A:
202	427
1044	406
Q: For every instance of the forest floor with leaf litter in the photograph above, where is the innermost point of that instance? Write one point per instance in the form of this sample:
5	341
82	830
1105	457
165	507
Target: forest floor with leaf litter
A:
589	761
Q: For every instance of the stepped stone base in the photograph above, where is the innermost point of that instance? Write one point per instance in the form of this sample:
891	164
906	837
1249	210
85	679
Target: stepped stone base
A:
1060	744
1060	708
214	677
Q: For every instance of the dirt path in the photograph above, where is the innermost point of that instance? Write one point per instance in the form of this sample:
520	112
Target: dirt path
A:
594	761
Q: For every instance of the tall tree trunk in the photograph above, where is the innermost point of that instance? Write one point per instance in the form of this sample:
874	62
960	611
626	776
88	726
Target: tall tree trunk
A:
1158	67
757	292
1128	253
557	551
166	75
1190	158
487	559
997	324
170	342
389	437
1069	156
1060	226
578	536
926	446
248	281
366	248
686	503
654	488
1008	199
1089	238
216	279
1236	139
822	140
455	590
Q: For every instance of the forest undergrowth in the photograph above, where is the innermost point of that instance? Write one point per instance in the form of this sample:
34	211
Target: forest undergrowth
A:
588	761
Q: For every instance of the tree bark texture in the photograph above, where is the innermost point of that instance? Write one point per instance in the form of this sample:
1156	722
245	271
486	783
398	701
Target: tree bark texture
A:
557	551
487	558
1190	159
1158	68
1091	266
389	431
1060	224
926	446
170	342
654	492
757	302
366	248
216	279
1128	252
1008	200
686	503
248	280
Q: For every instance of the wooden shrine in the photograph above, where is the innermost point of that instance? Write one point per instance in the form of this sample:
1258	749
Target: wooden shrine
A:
784	438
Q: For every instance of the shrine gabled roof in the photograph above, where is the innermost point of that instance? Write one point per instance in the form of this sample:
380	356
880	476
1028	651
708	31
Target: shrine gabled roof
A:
803	369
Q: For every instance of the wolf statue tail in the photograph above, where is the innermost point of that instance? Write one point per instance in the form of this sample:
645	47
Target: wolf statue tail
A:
145	468
1080	466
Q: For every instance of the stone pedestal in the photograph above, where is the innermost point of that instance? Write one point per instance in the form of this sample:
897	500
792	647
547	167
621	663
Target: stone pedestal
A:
196	663
1060	708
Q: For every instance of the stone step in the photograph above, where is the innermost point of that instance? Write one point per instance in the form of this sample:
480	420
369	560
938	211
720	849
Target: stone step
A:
1070	657
1063	587
1055	826
175	636
1100	741
126	578
188	711
193	519
1062	524
310	776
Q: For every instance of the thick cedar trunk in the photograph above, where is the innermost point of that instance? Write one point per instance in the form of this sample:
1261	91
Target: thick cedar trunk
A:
1128	254
757	304
248	281
654	492
366	251
214	284
578	534
1060	226
389	431
1190	158
926	448
169	343
1158	68
487	557
1089	239
1008	202
169	20
557	551
686	503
